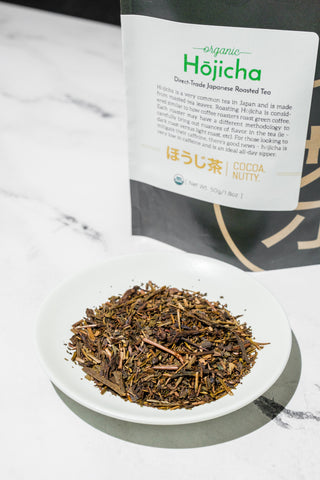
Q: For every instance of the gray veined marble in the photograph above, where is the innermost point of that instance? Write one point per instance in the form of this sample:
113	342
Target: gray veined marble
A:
65	204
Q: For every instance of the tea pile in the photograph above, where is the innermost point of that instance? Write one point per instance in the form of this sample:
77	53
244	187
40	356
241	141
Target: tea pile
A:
163	347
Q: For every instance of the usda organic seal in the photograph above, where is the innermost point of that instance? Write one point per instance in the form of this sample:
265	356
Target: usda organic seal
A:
178	179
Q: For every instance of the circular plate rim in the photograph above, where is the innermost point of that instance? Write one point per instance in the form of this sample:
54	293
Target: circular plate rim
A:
146	420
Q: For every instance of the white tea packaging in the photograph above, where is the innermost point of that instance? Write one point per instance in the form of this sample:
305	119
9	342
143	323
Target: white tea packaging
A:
223	101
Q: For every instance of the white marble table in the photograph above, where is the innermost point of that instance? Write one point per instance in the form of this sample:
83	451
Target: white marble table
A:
64	199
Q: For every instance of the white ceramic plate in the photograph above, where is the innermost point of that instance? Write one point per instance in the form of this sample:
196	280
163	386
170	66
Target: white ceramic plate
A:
93	286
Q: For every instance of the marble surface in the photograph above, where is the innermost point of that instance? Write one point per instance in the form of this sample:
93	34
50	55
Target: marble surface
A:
64	204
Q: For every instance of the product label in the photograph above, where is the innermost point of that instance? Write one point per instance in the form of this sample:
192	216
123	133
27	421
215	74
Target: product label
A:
219	113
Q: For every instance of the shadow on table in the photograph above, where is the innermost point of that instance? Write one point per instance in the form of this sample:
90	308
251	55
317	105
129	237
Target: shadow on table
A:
219	430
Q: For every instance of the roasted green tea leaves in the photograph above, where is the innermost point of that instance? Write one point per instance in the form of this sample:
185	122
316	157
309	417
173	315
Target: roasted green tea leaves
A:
163	347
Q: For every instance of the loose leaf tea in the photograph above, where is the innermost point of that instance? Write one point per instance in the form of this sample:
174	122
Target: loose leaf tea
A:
163	347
